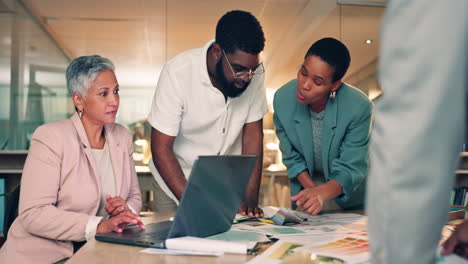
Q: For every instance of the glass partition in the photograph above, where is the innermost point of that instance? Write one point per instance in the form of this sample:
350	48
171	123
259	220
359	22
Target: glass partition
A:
32	79
5	70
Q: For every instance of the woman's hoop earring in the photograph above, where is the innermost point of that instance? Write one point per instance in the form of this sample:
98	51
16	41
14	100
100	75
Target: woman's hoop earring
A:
333	94
80	112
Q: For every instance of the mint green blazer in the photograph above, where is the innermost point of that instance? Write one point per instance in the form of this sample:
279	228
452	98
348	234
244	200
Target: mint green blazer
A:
345	140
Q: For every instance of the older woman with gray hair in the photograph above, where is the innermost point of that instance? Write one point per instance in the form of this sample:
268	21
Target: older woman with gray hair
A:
79	178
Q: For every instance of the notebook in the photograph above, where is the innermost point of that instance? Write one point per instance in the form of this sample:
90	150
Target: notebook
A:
211	198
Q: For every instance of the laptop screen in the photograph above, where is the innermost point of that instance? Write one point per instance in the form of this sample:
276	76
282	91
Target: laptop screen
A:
212	196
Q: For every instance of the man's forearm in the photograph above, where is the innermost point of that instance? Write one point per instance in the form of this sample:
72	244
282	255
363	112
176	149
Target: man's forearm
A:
171	172
251	193
252	144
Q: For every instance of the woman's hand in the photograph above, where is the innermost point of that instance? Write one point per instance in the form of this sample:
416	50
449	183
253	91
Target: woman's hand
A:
115	205
119	222
309	200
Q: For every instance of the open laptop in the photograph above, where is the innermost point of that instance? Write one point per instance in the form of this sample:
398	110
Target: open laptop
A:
210	201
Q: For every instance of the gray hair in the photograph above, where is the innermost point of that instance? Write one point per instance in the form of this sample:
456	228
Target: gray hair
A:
84	70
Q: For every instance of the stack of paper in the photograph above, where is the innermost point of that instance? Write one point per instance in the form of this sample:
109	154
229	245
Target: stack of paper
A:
204	244
232	241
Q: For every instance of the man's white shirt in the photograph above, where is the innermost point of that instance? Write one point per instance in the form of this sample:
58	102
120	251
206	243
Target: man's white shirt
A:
186	105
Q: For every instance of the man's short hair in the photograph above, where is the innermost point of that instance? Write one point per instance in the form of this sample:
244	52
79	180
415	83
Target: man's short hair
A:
333	52
240	30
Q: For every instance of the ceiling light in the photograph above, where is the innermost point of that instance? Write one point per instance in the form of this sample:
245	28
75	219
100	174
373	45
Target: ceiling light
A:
368	41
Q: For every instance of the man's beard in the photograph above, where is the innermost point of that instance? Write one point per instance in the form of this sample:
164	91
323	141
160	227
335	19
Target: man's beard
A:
228	88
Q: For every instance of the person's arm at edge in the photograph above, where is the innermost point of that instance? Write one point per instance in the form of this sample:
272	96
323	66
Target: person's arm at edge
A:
167	164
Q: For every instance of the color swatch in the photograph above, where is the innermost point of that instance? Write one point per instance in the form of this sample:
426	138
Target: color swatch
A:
282	231
348	246
284	250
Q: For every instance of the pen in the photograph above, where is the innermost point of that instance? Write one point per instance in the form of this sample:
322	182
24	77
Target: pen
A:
265	221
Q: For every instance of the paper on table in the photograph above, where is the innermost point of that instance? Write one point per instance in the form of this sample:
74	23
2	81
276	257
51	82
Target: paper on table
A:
319	230
275	253
351	249
320	234
310	240
350	253
280	215
269	229
270	211
334	216
203	244
239	236
180	252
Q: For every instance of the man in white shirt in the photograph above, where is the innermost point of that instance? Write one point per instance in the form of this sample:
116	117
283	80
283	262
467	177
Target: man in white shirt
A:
210	101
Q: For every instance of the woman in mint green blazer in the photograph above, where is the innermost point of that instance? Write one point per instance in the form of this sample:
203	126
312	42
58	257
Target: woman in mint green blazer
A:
323	126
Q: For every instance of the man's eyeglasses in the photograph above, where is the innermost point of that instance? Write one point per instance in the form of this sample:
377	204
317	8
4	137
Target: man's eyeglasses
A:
242	74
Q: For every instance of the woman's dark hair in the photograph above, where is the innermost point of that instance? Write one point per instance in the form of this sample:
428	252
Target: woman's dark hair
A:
333	52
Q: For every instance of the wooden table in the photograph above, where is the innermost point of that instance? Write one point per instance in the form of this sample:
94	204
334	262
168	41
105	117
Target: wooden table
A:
101	252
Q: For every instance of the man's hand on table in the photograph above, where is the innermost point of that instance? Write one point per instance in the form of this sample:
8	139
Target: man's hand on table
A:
250	208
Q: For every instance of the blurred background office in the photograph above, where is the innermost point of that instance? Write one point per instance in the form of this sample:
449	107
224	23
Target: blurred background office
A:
38	38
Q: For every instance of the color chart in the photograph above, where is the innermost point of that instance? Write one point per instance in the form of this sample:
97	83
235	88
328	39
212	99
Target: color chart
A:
350	249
